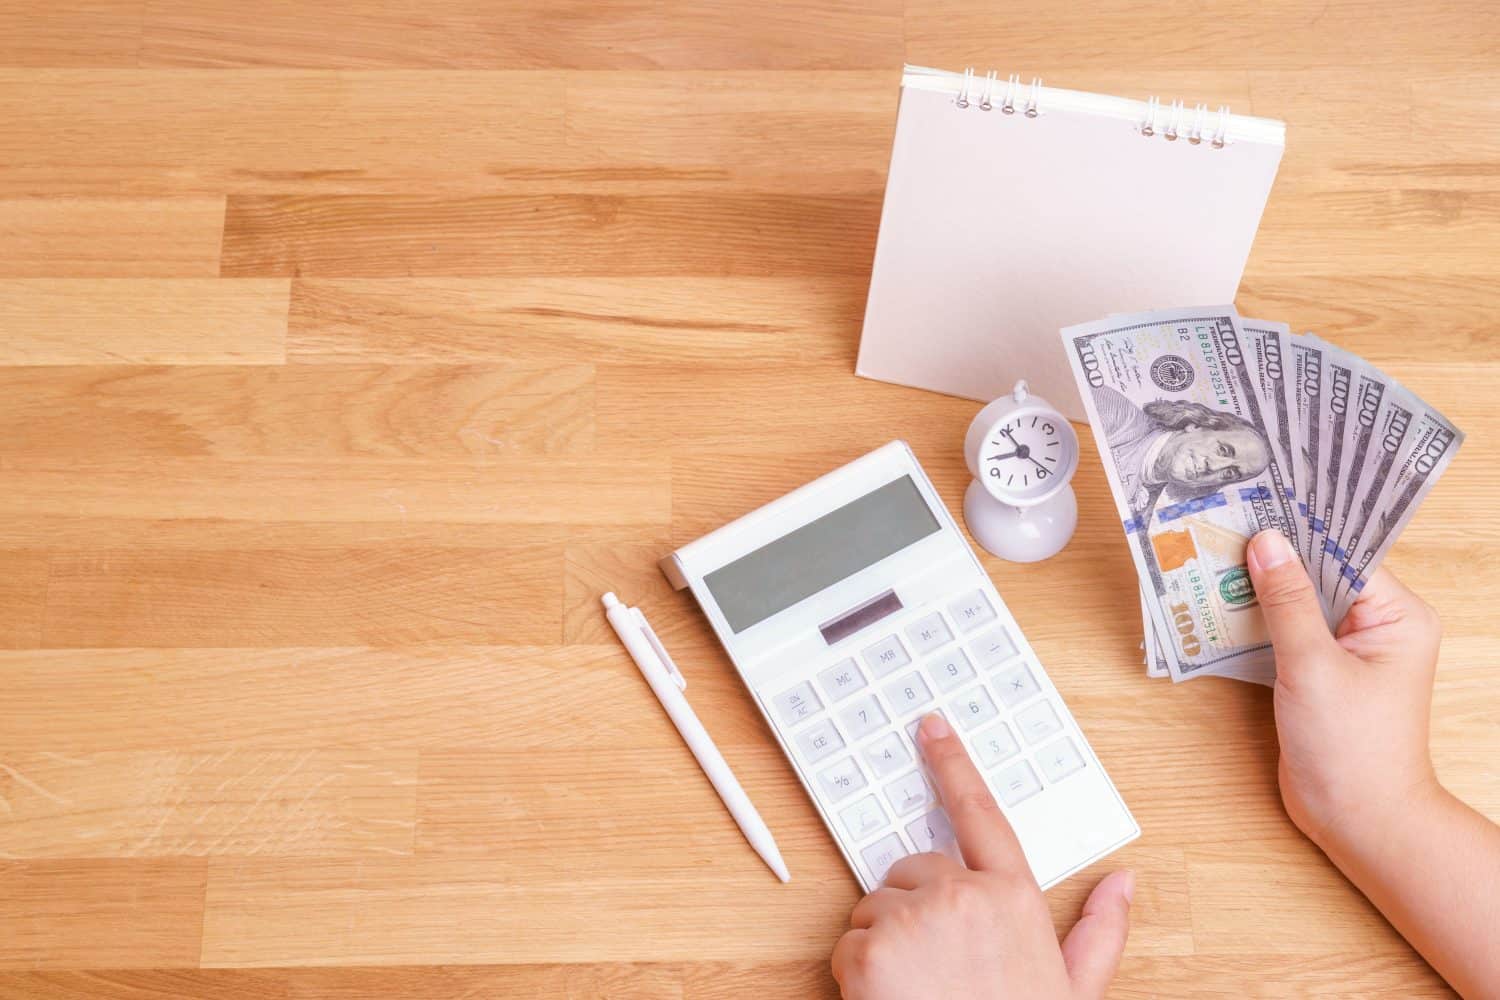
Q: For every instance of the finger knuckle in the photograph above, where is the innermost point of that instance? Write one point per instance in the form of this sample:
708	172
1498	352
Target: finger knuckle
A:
1285	588
852	958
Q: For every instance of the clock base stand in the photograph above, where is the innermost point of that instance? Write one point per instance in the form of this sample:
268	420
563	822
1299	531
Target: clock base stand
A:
1020	534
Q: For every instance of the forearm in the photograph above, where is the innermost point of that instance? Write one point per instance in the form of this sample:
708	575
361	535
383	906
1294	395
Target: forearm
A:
1433	869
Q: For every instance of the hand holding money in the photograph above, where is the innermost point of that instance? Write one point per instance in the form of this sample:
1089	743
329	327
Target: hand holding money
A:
1213	428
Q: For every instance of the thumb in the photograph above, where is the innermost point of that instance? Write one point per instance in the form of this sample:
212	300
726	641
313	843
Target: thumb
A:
1093	947
1299	632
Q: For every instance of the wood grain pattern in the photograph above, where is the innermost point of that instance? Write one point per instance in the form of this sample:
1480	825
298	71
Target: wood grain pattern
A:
574	235
71	33
94	238
135	322
258	802
347	354
490	412
527	34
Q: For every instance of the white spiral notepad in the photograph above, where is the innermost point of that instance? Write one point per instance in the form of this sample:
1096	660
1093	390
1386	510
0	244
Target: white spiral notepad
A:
1013	210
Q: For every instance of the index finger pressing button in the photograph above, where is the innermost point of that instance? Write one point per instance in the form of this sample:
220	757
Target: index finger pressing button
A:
983	833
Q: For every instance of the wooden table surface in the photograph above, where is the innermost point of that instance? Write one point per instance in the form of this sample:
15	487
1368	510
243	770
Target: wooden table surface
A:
346	358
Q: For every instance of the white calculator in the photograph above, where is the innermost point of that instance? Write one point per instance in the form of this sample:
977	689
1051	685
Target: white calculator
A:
854	606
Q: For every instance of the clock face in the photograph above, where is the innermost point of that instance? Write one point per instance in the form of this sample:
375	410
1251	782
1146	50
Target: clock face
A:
1028	455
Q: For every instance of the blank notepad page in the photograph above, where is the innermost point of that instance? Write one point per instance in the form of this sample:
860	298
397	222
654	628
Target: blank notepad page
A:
1001	227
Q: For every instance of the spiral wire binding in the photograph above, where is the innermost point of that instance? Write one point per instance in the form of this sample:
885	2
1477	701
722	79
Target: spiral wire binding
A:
986	100
1174	123
1171	122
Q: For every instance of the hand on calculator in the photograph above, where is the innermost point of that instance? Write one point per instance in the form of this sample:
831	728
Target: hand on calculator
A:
938	929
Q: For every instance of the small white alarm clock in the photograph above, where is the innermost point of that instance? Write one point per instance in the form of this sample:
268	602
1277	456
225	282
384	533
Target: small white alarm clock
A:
1022	454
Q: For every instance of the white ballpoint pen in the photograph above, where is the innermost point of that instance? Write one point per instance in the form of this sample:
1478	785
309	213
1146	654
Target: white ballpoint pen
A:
667	683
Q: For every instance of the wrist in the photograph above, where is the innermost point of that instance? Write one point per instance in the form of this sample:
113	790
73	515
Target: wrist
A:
1366	824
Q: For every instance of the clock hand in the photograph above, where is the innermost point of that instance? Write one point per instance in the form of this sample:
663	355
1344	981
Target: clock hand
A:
996	458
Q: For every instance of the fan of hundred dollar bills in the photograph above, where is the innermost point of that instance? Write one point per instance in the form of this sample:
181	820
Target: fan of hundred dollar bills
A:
1212	428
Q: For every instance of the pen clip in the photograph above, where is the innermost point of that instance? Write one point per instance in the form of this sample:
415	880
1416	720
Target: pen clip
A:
661	651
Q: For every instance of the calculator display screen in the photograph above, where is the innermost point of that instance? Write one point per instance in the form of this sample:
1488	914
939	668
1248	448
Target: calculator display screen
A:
821	553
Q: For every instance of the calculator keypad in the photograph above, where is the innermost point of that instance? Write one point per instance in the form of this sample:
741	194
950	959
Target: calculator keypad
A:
864	817
933	832
993	648
950	670
819	741
908	694
908	793
971	611
863	717
855	728
1037	722
1015	685
928	634
886	756
797	704
841	680
884	853
842	779
994	745
1059	760
885	656
974	708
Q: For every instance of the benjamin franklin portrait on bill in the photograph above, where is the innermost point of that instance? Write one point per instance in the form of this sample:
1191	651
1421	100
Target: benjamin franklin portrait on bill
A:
1177	448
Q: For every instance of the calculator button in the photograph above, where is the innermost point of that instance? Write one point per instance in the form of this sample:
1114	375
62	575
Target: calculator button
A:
864	817
886	755
1059	760
885	656
974	708
929	633
863	717
950	670
1015	685
971	611
842	780
908	793
885	852
995	745
797	704
818	741
908	694
1037	722
841	680
993	648
1017	783
915	724
933	832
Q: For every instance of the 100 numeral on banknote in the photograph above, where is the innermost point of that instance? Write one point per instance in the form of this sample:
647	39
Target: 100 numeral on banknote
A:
1190	461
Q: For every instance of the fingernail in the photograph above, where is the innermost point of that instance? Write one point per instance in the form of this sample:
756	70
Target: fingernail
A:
1270	549
1128	889
935	727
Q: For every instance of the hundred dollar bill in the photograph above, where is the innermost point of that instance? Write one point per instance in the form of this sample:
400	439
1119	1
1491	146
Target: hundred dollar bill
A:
1367	392
1332	420
1377	439
1268	344
1428	448
1307	400
1179	424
